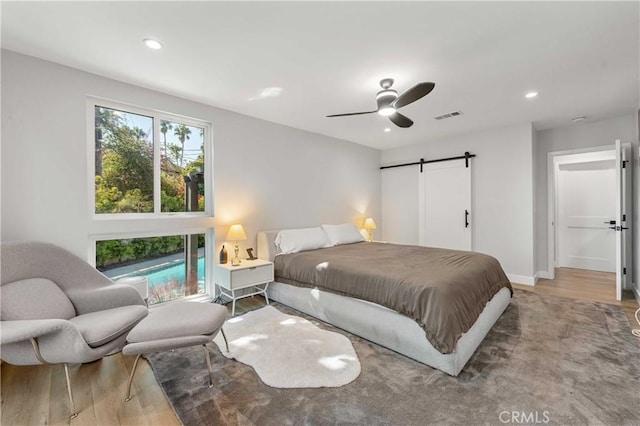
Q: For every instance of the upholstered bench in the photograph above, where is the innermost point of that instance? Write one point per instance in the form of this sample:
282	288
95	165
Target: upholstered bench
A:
177	325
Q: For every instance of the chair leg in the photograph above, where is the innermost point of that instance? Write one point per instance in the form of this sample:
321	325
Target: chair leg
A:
72	406
133	371
206	354
224	336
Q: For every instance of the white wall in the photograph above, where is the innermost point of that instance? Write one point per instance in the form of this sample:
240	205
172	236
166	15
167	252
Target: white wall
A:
502	188
265	175
577	136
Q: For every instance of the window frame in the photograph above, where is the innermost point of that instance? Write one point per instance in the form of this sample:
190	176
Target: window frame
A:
157	117
109	226
209	239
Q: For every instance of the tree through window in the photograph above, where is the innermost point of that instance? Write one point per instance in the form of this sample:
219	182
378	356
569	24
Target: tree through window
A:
124	164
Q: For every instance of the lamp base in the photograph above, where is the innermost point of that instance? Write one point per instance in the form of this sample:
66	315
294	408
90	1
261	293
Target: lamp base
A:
236	260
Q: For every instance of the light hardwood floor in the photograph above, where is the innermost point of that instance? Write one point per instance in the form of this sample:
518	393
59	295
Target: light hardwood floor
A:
586	285
37	394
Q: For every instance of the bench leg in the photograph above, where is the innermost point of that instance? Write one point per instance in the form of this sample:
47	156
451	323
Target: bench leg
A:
206	354
224	336
133	371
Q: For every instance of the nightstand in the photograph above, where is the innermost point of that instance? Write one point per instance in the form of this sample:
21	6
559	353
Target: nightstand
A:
249	274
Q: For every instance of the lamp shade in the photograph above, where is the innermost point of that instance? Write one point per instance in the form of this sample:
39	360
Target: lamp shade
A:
236	233
369	224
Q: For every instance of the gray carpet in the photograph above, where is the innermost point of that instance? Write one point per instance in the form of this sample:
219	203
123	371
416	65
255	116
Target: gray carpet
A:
547	360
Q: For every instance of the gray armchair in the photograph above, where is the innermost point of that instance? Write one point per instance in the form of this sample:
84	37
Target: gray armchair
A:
58	309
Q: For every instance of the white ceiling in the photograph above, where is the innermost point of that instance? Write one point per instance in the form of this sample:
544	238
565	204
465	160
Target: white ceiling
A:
583	58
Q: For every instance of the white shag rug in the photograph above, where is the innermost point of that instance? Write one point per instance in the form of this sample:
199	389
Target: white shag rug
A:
288	351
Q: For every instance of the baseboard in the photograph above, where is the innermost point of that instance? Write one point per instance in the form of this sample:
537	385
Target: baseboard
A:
522	279
547	275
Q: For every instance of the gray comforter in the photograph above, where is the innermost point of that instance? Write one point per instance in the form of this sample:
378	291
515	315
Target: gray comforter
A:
442	290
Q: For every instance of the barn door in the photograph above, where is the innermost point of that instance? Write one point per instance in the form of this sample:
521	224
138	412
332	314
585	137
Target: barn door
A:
445	214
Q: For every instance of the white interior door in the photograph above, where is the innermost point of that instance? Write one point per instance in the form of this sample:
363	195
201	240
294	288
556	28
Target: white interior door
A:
622	226
586	206
445	205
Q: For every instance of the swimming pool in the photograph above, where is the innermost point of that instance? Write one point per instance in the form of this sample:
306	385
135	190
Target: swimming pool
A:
160	275
173	273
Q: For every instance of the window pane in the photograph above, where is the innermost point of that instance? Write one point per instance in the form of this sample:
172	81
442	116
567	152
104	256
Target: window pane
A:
124	162
165	261
181	167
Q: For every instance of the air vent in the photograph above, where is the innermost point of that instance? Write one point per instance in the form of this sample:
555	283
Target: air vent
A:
449	115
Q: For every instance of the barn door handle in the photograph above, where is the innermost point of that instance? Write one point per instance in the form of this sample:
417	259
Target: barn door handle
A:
466	218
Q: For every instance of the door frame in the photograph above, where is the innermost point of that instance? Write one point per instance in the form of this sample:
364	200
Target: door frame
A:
551	200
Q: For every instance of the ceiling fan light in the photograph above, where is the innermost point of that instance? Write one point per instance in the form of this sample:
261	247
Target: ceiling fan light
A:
386	111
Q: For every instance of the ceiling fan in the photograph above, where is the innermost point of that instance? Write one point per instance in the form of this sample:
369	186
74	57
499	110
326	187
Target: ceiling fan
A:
389	102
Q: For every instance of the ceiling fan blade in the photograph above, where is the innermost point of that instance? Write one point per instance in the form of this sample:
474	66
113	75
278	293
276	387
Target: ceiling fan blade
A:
351	113
400	120
413	94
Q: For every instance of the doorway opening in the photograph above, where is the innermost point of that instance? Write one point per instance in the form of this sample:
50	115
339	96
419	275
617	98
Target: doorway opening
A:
589	201
585	188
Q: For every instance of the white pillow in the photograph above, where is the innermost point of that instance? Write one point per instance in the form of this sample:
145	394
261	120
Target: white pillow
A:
295	240
346	233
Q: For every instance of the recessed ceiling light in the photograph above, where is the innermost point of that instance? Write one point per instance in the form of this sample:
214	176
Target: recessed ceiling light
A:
387	130
578	119
152	44
531	95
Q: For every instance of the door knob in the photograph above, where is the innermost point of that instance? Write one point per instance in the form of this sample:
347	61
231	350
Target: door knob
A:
618	228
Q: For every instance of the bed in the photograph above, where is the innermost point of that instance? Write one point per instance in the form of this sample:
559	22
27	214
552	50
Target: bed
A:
399	329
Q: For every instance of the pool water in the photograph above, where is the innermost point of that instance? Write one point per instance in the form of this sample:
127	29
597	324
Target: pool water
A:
162	274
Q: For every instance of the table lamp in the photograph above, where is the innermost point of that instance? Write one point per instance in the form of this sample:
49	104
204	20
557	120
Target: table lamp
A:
236	233
369	225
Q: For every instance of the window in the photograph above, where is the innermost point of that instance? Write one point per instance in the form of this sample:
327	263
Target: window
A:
181	167
124	162
150	202
141	169
173	265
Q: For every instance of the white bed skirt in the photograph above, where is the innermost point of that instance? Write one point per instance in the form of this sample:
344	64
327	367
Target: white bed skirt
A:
387	327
